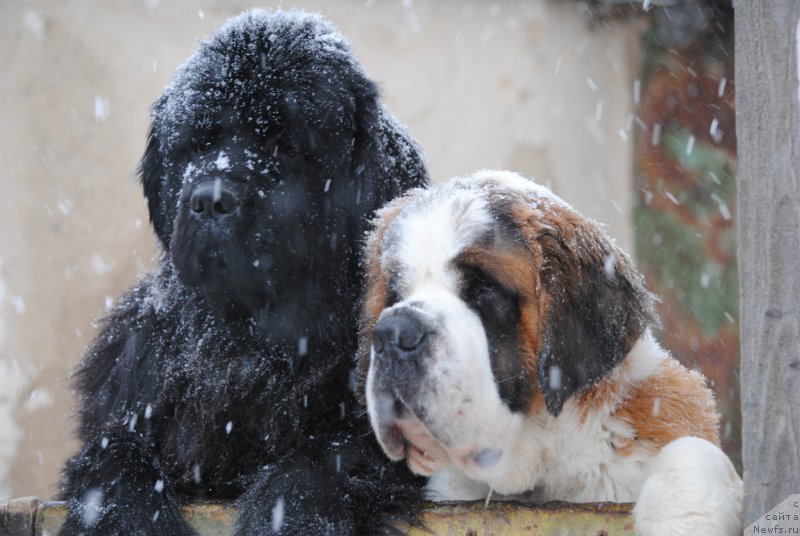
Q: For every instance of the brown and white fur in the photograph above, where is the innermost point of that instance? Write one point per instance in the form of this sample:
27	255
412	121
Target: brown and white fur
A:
505	348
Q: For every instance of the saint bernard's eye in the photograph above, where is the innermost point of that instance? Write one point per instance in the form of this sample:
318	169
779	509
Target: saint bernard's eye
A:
392	291
492	300
477	284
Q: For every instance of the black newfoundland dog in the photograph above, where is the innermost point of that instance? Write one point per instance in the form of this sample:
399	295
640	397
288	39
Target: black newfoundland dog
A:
227	372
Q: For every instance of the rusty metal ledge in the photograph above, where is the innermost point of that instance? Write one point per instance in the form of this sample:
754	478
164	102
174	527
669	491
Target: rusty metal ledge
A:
31	517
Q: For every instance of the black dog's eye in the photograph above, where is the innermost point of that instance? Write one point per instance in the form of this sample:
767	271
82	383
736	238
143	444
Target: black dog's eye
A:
201	147
287	149
205	138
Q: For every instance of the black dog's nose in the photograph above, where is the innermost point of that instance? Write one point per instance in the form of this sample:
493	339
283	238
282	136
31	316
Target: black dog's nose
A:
212	200
401	336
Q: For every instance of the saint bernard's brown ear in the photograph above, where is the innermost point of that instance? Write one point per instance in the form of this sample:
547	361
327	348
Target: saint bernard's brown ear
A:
376	288
598	306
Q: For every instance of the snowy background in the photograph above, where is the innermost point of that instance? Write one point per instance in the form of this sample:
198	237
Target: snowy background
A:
531	86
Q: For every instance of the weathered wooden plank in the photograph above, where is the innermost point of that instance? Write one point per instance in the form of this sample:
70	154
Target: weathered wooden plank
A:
768	132
514	519
17	516
473	519
208	519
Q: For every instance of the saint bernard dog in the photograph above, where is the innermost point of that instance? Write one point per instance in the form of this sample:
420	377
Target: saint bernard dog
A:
505	348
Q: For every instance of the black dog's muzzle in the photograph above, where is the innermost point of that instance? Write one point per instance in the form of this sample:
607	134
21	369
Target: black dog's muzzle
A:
213	201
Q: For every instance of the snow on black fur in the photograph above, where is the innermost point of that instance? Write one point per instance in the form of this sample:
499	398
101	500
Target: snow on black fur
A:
226	373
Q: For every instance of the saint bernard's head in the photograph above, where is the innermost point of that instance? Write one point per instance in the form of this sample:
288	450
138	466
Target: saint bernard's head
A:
489	301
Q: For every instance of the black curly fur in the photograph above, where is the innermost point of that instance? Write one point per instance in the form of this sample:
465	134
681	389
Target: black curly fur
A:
227	372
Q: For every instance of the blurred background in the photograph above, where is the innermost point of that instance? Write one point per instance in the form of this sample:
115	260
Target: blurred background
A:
624	108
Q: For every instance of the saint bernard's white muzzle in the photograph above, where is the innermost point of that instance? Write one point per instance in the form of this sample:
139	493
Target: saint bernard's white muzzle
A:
430	385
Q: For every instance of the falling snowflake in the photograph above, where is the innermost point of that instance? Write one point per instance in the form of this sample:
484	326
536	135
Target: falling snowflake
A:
277	515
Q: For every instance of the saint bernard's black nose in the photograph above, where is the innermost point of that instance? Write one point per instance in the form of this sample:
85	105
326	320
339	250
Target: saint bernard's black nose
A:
401	336
212	200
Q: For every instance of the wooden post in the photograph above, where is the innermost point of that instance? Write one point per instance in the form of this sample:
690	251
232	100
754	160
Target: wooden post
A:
768	130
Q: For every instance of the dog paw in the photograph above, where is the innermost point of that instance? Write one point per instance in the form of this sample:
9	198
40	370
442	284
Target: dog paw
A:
692	489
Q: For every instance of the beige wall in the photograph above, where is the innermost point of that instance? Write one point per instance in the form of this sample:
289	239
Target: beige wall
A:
481	84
